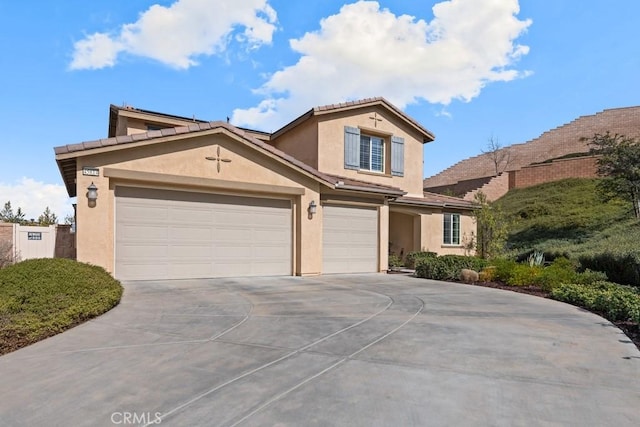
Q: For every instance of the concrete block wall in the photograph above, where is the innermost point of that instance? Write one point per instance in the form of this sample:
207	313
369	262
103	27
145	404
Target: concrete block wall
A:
497	187
582	167
570	138
6	244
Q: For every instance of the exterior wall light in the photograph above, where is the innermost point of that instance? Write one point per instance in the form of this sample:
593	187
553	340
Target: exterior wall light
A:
92	194
312	208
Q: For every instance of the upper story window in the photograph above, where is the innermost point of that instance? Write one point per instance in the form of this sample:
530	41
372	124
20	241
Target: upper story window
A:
372	153
451	229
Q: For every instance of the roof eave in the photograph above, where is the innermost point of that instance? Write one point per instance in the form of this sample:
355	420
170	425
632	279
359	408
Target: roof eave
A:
390	192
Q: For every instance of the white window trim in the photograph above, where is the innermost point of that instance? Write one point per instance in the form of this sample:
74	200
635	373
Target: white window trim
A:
444	219
384	148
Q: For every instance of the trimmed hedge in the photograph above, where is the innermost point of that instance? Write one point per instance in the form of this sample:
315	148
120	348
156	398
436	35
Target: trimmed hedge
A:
613	301
42	297
447	267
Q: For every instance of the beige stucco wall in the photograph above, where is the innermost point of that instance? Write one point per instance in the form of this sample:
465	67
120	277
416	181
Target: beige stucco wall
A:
331	147
401	233
383	241
186	157
432	233
300	142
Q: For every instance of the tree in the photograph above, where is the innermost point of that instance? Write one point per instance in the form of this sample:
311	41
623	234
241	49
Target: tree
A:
619	165
492	226
7	215
499	156
69	219
47	217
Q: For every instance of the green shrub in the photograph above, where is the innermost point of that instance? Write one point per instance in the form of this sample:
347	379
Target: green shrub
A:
622	267
488	274
395	261
589	277
503	268
447	267
42	297
613	301
560	271
412	257
524	275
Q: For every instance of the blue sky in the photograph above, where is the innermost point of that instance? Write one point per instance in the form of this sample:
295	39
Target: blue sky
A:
468	70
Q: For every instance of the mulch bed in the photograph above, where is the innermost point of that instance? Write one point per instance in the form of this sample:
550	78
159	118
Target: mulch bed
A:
631	329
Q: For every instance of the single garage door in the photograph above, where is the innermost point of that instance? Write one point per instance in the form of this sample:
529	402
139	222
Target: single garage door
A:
162	234
350	239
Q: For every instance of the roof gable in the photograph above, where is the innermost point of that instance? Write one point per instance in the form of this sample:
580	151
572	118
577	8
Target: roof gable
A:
427	135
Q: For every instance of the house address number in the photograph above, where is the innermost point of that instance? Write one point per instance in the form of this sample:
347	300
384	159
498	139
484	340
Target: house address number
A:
87	171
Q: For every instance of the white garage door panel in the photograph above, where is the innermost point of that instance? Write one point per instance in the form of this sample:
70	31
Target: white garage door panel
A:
350	239
172	235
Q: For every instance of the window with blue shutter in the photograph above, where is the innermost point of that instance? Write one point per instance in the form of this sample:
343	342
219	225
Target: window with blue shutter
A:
351	148
397	156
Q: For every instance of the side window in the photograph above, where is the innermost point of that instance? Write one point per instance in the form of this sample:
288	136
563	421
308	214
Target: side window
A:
451	229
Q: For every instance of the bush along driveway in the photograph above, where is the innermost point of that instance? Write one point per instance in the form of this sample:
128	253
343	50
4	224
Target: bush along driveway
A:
43	297
559	280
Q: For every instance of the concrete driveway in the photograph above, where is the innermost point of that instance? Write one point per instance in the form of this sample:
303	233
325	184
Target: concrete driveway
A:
357	350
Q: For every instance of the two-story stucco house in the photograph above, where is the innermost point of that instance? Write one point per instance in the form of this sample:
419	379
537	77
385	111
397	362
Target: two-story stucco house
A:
334	191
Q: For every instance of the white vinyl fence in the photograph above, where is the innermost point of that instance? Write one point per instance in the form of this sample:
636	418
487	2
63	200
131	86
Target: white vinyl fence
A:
26	242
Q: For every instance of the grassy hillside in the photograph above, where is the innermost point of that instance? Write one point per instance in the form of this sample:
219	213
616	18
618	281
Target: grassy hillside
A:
568	217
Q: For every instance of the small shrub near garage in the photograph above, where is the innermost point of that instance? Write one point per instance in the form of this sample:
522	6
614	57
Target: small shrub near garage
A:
42	297
412	257
395	261
447	267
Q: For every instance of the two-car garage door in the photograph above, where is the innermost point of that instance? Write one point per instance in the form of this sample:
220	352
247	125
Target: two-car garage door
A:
163	234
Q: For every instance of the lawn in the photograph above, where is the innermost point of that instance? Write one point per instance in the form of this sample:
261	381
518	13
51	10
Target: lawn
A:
43	297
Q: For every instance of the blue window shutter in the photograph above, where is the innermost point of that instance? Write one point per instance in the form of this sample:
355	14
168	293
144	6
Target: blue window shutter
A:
397	156
351	148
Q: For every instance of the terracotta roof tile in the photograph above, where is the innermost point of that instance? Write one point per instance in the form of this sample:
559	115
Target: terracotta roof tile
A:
154	133
123	139
92	144
140	136
342	181
75	147
105	142
436	200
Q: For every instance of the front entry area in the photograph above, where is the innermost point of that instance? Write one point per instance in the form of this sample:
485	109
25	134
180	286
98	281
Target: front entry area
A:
350	239
167	234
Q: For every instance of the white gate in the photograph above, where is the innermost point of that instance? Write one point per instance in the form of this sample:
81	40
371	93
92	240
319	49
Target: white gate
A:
34	241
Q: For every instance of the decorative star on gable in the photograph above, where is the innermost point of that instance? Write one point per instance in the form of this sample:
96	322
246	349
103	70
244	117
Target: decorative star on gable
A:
218	159
375	119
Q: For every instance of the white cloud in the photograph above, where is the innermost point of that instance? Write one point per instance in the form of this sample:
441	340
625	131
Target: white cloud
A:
178	34
366	51
34	196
